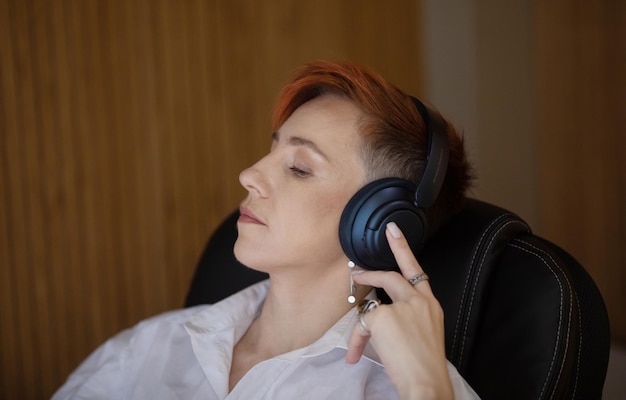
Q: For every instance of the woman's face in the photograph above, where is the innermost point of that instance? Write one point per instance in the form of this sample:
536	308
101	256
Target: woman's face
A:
297	192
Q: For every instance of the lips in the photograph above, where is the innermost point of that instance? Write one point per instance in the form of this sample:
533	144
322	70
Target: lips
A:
246	216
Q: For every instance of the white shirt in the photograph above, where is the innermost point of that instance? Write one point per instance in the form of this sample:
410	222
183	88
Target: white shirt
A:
186	354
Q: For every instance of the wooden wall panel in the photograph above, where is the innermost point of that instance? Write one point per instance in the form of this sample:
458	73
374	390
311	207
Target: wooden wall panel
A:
581	99
123	128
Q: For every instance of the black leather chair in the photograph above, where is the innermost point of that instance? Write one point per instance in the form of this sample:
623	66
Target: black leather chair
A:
523	319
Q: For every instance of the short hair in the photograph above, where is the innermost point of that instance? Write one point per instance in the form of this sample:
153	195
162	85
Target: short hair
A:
394	136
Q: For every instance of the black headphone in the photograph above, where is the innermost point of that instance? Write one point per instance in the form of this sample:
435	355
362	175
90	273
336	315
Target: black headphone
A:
365	217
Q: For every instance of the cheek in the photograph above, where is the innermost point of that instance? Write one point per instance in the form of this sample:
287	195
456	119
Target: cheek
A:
325	211
329	204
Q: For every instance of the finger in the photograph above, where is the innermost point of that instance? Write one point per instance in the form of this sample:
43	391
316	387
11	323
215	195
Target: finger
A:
356	344
392	282
409	266
402	251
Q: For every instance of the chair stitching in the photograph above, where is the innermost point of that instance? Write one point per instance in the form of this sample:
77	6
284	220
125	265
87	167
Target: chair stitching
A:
475	285
554	263
573	296
458	318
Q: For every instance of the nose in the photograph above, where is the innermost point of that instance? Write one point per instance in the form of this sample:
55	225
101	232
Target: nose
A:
255	181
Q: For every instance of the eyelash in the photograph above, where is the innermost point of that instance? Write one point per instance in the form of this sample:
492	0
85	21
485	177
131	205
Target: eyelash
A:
299	172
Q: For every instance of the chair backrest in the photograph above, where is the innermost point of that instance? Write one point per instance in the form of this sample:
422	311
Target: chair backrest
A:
523	319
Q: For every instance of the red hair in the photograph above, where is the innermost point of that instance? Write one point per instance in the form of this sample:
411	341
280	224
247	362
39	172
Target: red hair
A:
394	137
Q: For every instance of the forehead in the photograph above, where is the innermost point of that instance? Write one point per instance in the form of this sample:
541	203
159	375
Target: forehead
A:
330	123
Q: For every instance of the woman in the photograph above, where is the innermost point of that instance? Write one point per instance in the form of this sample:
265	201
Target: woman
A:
337	127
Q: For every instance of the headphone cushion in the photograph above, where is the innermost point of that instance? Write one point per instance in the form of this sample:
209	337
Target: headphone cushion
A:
365	217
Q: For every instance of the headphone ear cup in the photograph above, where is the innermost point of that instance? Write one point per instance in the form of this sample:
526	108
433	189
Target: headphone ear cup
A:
365	218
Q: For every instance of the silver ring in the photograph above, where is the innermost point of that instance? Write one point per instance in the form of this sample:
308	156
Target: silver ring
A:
365	306
417	278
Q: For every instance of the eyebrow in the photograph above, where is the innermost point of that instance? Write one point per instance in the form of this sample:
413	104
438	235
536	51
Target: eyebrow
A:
299	141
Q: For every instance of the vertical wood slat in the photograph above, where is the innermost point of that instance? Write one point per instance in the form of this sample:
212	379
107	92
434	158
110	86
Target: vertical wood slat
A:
123	127
581	102
11	354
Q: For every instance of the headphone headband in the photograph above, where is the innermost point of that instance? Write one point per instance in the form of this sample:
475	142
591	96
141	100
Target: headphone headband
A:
436	160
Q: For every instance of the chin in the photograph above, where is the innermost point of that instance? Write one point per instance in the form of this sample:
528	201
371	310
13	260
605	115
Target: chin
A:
248	257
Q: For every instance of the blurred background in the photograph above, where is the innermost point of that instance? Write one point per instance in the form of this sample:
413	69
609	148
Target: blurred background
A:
124	125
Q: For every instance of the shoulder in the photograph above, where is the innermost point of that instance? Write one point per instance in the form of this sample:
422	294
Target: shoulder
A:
102	374
150	344
109	370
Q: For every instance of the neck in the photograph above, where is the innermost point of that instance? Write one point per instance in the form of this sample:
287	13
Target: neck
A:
299	309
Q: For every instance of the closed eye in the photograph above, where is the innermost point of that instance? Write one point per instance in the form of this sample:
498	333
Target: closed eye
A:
299	172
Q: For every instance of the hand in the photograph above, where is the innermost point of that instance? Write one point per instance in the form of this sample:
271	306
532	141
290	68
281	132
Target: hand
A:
408	335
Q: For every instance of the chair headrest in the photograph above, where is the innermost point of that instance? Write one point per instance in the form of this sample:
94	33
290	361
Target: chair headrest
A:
460	259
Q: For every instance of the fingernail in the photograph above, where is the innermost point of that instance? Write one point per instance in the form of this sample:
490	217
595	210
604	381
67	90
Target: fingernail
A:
394	230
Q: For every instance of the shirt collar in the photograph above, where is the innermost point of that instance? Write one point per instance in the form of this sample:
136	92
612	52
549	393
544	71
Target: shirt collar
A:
338	336
239	310
236	311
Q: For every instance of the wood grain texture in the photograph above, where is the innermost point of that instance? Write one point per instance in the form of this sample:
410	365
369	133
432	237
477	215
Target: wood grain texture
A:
581	103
